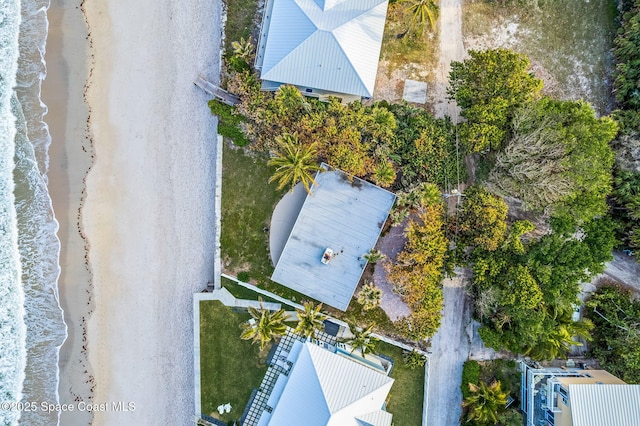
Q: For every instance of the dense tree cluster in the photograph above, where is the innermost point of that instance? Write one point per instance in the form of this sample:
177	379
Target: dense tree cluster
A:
627	52
489	87
418	271
391	145
616	336
525	293
482	219
558	158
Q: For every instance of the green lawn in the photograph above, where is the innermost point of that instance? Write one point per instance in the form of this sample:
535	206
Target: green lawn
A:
247	204
574	51
240	14
407	394
230	368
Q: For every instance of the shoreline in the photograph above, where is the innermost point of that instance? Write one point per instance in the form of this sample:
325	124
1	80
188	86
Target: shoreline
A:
67	56
131	178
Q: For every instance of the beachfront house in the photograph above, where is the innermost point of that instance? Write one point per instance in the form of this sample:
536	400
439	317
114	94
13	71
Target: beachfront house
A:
321	383
575	396
323	47
338	223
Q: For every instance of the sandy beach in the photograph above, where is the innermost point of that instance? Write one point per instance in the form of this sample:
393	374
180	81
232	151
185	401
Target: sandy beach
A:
137	229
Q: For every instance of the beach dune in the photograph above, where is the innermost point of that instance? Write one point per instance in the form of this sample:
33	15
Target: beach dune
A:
147	214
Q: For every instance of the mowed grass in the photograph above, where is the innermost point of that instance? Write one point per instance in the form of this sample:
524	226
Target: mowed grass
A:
248	201
569	39
230	368
407	393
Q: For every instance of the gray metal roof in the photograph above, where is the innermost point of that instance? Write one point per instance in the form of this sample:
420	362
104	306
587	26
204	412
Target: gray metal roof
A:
344	215
605	405
332	45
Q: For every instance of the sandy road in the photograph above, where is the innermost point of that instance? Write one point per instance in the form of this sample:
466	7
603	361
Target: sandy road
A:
450	349
451	49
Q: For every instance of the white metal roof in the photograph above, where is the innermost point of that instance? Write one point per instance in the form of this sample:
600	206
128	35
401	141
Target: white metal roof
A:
344	215
605	405
331	45
326	389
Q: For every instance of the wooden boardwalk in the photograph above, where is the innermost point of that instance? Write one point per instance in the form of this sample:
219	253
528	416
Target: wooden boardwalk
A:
218	93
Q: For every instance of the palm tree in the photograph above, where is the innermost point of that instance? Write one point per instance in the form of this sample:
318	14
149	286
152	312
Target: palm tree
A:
294	163
264	325
362	339
369	297
423	12
485	402
374	256
310	319
243	49
557	343
290	98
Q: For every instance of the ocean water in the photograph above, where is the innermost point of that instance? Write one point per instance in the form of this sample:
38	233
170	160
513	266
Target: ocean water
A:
31	322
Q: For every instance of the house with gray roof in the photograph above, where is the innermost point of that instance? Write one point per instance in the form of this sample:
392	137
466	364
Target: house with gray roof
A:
339	222
323	47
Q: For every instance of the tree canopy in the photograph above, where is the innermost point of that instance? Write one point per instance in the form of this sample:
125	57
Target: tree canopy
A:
525	292
482	219
489	87
616	336
558	159
627	52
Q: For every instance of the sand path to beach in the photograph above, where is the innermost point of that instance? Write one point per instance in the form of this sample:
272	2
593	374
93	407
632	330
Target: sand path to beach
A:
147	210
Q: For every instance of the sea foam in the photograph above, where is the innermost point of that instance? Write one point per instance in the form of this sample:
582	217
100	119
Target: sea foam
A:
12	325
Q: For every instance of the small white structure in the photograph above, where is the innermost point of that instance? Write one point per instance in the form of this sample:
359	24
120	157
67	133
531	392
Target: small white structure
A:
415	91
324	47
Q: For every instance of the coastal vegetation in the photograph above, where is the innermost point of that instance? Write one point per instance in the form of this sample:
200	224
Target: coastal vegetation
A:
625	200
489	87
369	296
616	335
524	292
418	271
361	339
485	388
310	320
572	55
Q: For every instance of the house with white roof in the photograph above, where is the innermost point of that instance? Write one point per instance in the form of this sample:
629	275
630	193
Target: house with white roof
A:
315	383
323	47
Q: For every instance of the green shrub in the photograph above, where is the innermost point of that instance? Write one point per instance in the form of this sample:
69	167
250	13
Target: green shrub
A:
413	359
244	276
228	122
470	374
